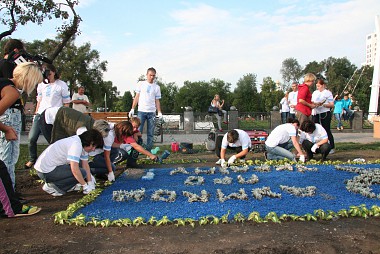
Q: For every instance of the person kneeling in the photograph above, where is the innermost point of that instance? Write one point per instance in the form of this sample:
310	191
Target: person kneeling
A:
237	140
314	139
58	165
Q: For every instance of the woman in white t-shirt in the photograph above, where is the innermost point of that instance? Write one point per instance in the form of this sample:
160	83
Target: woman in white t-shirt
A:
282	140
53	94
324	101
314	139
216	102
58	165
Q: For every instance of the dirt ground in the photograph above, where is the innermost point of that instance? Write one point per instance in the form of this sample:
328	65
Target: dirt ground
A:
39	234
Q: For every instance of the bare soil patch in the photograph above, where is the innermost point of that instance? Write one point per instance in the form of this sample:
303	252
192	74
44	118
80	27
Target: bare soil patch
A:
39	234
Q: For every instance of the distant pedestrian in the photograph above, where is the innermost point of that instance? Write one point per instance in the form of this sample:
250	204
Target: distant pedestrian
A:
338	111
80	100
285	109
292	98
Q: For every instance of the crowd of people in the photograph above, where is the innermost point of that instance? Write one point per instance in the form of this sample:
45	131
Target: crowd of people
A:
74	136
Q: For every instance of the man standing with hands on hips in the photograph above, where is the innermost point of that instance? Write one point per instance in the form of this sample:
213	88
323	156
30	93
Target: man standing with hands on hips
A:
148	95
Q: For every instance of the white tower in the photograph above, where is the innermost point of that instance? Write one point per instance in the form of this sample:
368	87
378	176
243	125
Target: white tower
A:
376	76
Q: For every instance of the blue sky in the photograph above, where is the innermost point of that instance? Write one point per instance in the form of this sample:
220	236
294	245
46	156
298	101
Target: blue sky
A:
201	40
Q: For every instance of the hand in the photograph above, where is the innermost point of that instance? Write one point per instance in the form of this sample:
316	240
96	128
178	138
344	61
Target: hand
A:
111	176
314	148
86	189
131	113
126	147
231	160
153	157
159	114
10	134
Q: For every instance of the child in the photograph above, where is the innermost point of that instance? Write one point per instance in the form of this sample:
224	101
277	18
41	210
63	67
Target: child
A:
338	110
135	121
129	148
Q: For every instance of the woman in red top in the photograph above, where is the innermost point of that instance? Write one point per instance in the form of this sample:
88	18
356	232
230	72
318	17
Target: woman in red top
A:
304	104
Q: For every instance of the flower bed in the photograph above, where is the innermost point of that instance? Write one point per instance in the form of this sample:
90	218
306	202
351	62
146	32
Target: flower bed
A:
283	193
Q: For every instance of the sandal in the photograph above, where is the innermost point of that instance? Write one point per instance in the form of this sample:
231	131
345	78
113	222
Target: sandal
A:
29	165
28	210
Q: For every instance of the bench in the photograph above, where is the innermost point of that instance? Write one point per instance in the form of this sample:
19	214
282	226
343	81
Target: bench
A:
116	117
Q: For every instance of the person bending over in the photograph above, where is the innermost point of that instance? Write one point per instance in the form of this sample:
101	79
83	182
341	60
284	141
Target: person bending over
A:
314	139
58	165
282	140
237	140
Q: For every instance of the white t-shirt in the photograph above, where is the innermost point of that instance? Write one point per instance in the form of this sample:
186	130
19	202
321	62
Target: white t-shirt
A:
284	105
52	95
149	93
50	114
61	153
108	141
319	134
281	134
244	140
292	98
318	97
77	106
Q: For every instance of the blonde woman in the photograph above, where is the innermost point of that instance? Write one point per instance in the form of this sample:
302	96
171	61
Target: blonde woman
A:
25	78
216	102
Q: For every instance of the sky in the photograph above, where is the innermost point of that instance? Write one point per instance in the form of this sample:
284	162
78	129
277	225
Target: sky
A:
202	40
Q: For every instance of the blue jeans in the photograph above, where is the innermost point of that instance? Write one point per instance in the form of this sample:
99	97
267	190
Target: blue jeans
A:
150	118
98	164
34	134
348	114
10	150
281	151
339	119
61	178
284	117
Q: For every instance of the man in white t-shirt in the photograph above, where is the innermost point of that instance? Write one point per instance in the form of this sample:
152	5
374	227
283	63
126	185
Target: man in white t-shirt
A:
282	140
80	100
148	95
292	98
58	165
314	139
237	140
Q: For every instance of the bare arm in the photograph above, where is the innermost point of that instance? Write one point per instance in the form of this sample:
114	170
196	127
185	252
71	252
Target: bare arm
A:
297	145
135	101
140	149
76	172
107	159
158	106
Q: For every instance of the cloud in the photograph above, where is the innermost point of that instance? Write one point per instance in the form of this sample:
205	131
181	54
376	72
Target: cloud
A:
206	42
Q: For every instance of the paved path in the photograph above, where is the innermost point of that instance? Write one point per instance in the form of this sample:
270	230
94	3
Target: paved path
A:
198	139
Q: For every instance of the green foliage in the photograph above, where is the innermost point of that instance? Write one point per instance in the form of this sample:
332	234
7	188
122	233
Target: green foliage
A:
246	97
291	71
270	96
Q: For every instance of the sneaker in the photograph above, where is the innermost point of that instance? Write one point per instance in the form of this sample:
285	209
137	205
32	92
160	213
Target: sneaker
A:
76	187
28	210
332	151
51	190
218	162
341	128
338	128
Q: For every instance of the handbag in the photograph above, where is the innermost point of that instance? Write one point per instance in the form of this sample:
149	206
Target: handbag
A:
213	110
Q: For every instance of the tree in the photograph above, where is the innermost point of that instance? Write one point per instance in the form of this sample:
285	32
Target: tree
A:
21	12
168	93
316	68
291	71
269	95
246	97
194	94
123	103
338	73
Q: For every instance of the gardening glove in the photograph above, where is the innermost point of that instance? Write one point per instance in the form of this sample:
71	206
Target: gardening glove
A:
231	160
314	148
111	176
159	115
86	189
131	113
126	147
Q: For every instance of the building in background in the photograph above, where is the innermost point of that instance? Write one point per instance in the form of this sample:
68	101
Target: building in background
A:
371	47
